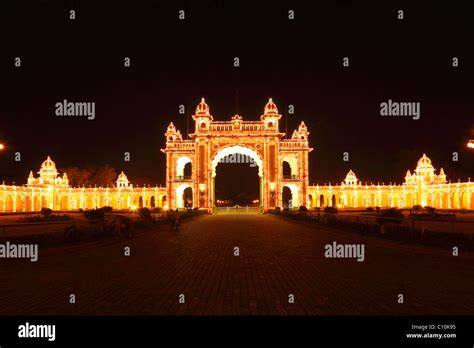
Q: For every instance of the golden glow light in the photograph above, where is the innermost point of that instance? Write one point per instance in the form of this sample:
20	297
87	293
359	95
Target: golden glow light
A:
133	207
2	146
470	144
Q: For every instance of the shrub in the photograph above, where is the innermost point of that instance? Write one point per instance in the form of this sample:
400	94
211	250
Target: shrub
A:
107	209
391	215
431	210
46	212
145	219
303	208
38	218
331	210
377	209
370	209
94	214
144	214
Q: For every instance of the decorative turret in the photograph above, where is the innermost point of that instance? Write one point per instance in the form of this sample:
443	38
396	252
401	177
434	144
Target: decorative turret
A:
31	178
122	181
270	116
270	108
48	176
48	172
425	173
203	109
172	134
203	116
424	166
442	176
300	134
64	179
351	179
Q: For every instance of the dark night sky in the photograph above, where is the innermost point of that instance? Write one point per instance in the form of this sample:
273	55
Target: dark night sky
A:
295	62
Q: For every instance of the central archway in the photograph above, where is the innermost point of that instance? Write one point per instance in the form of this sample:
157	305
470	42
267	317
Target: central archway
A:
246	155
193	160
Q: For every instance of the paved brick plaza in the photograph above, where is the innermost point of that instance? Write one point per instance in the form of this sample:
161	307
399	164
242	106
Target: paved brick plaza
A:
277	258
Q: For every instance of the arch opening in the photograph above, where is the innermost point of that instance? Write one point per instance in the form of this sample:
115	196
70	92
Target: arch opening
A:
183	168
295	202
286	197
290	167
240	176
182	193
321	200
333	201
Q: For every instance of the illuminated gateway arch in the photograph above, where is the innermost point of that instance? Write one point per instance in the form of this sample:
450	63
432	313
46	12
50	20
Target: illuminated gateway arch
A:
214	140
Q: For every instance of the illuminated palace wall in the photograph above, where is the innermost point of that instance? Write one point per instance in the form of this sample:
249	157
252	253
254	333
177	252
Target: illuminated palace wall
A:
191	169
52	191
423	187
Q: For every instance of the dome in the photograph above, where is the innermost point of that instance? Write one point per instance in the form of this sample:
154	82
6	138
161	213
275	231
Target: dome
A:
351	176
122	181
122	176
424	163
202	108
270	108
48	164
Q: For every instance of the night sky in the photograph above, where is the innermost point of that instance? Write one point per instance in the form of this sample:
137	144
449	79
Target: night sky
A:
296	62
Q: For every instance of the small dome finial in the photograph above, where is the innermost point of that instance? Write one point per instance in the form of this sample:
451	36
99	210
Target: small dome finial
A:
202	108
270	107
48	164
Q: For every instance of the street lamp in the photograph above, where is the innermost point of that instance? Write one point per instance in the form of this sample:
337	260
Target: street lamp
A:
470	144
2	146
